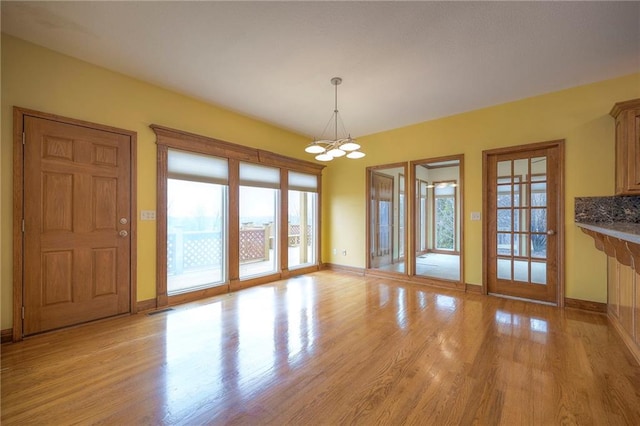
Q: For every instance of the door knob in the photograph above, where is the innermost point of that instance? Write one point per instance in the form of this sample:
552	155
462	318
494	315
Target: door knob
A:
123	221
123	233
551	232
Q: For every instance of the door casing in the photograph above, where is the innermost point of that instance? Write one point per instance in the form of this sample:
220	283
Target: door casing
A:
18	213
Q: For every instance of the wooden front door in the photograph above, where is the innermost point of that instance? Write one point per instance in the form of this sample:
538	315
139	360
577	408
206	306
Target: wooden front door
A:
77	224
381	219
524	225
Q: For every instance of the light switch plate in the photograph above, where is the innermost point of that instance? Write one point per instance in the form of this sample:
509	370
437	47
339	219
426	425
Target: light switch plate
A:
475	215
147	215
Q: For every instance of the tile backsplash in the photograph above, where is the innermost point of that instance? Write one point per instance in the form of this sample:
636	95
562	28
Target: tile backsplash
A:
607	209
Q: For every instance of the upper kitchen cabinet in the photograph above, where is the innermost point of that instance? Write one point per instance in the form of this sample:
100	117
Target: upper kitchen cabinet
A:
627	115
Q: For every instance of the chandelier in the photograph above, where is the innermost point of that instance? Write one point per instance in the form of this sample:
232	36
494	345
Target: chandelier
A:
328	149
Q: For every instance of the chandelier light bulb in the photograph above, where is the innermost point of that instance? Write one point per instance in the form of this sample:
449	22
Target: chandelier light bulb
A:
349	146
336	152
354	155
314	148
324	157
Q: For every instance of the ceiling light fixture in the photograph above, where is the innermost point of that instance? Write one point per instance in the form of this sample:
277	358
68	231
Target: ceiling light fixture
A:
328	149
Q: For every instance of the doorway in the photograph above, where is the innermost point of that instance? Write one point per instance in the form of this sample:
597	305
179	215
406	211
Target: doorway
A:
386	224
438	224
524	221
74	222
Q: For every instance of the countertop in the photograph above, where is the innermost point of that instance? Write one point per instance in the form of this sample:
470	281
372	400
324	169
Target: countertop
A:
622	230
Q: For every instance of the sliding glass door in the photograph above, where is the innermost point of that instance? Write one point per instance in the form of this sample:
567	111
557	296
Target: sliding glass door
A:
197	194
302	232
259	195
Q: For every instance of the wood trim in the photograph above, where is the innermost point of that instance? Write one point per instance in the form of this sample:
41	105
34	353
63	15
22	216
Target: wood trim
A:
191	296
585	305
18	200
236	285
180	139
18	216
288	273
623	254
609	248
146	305
6	335
560	235
319	223
526	147
460	191
162	298
438	283
343	268
472	288
623	106
277	160
485	223
233	230
283	226
133	227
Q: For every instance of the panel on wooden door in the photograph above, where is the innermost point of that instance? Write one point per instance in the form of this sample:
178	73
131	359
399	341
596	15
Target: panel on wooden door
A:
77	213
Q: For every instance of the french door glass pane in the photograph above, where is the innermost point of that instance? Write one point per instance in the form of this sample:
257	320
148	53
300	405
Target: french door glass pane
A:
445	223
196	224
301	235
504	220
539	246
258	231
521	270
539	272
504	269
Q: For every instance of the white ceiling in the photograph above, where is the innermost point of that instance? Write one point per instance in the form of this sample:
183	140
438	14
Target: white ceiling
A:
401	62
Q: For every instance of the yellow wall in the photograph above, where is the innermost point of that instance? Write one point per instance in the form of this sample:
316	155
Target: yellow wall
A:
40	79
579	115
43	80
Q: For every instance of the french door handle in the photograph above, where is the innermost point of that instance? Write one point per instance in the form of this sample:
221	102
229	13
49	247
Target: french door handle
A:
123	233
551	232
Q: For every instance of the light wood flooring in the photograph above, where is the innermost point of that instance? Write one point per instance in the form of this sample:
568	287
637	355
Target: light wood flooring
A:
328	348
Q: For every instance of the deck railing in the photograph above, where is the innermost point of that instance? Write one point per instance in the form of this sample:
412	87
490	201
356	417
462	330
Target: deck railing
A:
193	250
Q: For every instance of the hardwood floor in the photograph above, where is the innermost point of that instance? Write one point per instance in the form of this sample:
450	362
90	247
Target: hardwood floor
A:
328	348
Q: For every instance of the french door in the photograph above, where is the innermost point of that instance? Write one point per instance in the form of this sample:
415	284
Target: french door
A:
381	219
524	221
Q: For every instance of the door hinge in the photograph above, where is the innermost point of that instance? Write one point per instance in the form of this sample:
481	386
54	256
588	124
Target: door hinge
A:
23	137
23	312
22	225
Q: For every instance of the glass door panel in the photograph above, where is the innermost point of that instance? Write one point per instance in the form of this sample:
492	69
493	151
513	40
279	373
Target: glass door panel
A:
258	228
196	224
301	235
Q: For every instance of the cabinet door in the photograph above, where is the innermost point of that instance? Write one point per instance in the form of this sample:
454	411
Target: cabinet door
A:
627	116
633	159
621	155
612	283
626	276
636	315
